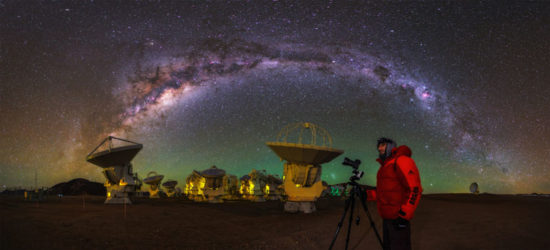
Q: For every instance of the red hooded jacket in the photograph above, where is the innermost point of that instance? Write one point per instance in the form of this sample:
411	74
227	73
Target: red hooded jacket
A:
398	187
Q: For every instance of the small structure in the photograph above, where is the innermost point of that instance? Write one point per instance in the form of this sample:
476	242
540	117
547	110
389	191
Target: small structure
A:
35	195
194	184
244	186
117	169
302	169
170	187
257	185
274	189
230	185
153	180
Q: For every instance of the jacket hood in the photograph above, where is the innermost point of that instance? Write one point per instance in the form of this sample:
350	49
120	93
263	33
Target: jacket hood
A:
402	150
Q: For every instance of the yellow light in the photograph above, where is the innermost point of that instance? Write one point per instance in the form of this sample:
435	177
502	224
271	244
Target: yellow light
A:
186	190
251	187
202	182
108	194
298	185
266	189
241	190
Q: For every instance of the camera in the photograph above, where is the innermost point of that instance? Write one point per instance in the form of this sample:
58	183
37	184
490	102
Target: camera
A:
357	174
354	164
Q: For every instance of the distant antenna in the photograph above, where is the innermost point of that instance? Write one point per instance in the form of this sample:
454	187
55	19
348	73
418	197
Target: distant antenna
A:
170	186
474	188
255	186
213	187
153	180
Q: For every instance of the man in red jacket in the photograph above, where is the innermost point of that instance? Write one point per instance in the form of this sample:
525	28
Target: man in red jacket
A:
397	193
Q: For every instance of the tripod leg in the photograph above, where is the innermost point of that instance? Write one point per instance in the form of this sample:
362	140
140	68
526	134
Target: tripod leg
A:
352	197
363	202
340	223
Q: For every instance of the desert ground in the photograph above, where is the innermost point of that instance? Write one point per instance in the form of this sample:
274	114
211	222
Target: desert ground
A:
442	221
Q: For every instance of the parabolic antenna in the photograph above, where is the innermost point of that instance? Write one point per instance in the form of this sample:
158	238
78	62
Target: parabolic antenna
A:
170	184
214	189
318	151
115	161
113	156
170	187
304	153
213	172
302	169
474	188
153	178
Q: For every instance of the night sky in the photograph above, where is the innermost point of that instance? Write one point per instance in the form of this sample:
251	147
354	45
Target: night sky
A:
464	84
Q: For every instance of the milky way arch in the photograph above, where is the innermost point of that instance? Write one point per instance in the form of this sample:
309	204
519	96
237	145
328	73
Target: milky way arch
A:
151	93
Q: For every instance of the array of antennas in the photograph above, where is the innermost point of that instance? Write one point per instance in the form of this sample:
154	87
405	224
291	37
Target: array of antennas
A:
318	134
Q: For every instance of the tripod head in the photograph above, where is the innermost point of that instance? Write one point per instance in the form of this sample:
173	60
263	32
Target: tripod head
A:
357	174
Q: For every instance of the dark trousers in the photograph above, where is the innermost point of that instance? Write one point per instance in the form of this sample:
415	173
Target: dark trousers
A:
396	238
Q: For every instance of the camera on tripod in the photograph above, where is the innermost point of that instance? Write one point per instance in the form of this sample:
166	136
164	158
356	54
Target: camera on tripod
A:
356	192
357	174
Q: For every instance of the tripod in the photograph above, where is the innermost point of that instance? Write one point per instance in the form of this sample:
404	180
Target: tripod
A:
355	191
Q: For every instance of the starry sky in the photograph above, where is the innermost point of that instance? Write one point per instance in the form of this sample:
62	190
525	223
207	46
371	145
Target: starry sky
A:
464	84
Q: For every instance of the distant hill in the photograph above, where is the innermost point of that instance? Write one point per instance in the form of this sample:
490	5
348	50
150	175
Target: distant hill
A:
13	192
77	187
